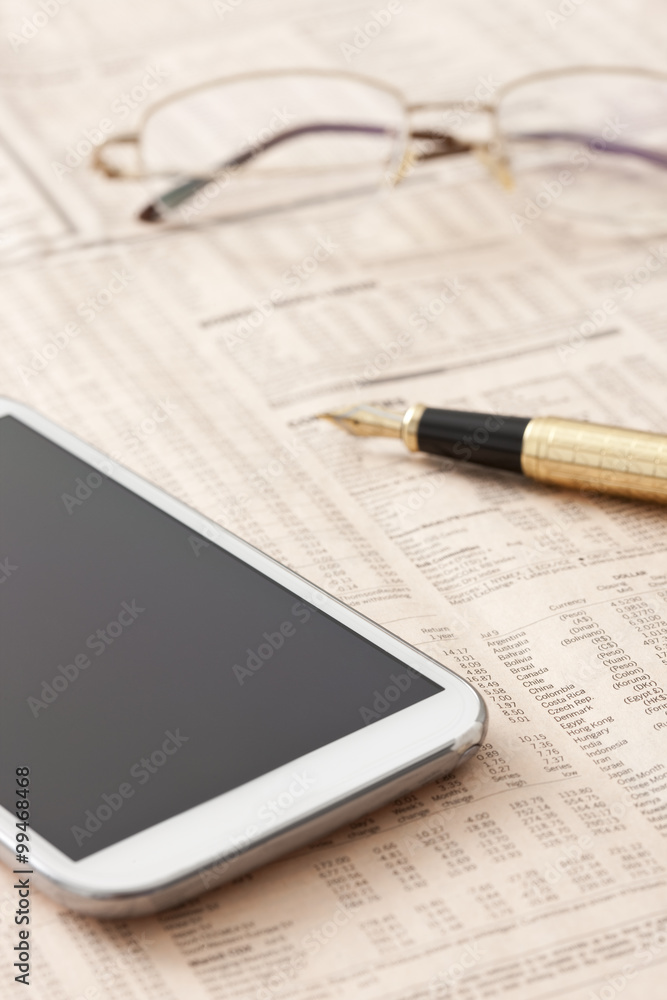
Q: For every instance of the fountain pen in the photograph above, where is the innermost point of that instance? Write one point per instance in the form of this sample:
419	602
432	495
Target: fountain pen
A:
570	453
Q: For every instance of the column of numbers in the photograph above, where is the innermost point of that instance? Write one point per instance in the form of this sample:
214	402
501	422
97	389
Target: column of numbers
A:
492	839
397	862
345	880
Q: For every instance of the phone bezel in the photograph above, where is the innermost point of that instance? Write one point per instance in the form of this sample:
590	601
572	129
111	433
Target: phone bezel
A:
445	725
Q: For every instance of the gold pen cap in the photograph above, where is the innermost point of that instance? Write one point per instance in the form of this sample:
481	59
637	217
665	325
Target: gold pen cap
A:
593	457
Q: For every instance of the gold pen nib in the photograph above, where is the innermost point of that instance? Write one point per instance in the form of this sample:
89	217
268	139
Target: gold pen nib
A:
366	421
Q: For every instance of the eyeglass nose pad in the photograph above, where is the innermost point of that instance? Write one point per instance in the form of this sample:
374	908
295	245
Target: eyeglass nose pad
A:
405	167
101	161
494	159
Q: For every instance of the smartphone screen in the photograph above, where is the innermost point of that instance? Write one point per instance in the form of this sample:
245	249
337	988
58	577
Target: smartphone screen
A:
144	669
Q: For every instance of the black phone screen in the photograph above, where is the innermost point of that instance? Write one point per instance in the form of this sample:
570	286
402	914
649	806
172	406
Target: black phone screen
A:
144	669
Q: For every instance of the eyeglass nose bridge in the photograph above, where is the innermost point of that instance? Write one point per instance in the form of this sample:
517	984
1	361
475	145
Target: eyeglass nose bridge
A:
444	142
460	111
476	106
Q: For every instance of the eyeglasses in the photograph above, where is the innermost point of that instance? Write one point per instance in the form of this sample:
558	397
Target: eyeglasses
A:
589	142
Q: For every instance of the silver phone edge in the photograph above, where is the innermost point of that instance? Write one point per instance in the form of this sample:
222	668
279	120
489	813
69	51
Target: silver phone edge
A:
226	868
230	867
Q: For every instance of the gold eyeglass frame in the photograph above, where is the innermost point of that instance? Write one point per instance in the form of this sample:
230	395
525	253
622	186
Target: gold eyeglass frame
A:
491	152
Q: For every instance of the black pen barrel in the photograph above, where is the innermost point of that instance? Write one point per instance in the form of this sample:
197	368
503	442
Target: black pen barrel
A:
483	438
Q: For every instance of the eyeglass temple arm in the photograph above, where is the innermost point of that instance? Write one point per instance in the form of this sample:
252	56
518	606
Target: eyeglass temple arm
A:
593	143
447	145
175	196
442	144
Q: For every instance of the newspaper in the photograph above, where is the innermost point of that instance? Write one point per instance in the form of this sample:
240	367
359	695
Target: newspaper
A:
538	870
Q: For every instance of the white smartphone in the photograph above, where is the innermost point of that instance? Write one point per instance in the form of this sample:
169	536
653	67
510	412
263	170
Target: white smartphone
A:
176	706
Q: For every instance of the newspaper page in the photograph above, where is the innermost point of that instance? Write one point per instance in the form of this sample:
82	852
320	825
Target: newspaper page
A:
537	870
